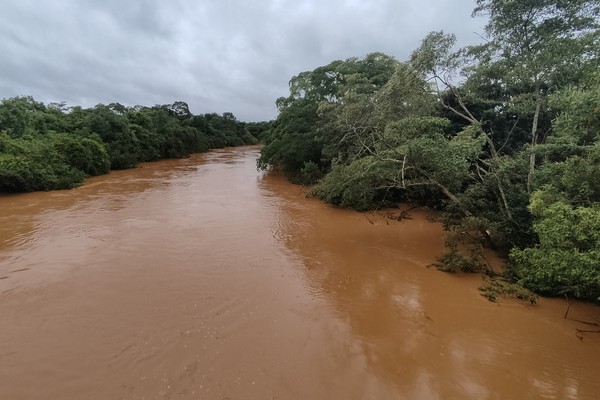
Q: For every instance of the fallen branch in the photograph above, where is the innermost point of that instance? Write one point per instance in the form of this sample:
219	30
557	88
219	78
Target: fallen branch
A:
402	214
585	322
587	331
577	330
577	320
568	306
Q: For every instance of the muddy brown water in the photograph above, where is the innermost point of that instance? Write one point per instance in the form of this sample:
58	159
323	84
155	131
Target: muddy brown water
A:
205	279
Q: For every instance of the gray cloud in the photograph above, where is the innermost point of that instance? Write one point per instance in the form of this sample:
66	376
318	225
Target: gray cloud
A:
229	55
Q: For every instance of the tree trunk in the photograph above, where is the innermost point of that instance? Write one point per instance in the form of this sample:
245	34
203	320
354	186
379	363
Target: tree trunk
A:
534	139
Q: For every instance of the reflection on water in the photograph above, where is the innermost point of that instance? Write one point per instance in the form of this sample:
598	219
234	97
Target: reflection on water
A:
203	278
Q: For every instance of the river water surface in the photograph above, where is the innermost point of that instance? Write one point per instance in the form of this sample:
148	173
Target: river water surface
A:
205	279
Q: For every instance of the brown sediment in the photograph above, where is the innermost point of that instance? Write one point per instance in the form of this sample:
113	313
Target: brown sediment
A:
203	278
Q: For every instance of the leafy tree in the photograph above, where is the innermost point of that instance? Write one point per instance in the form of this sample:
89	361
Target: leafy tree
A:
28	164
291	141
352	126
22	116
534	49
536	46
180	109
567	259
56	147
85	154
303	128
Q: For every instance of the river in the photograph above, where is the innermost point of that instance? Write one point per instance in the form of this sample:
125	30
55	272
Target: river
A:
203	278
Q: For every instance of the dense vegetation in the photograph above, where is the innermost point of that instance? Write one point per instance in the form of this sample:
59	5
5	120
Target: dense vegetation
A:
503	135
44	147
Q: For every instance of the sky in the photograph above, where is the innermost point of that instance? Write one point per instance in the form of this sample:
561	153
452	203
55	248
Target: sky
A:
217	55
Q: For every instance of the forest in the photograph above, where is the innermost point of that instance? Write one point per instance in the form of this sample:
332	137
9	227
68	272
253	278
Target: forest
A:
503	136
47	147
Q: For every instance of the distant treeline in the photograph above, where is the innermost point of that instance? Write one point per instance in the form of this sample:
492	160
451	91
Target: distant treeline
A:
504	136
46	147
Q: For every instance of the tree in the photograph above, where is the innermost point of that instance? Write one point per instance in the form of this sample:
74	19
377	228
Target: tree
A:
291	142
567	259
486	131
535	47
56	147
82	153
21	116
180	109
352	125
436	60
33	163
301	132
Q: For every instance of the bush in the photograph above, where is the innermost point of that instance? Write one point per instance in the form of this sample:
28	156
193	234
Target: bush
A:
310	173
15	173
362	185
567	259
22	174
29	164
82	153
556	272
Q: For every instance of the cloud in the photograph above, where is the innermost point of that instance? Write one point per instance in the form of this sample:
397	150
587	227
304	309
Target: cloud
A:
221	56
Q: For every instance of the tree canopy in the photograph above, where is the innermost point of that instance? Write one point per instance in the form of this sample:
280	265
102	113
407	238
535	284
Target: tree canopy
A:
44	147
503	136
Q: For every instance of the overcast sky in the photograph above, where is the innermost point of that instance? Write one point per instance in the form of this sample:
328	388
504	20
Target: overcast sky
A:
217	55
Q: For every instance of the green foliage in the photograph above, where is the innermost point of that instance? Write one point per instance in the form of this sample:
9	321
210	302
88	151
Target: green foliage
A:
310	173
352	128
579	121
84	154
21	116
567	259
16	173
56	147
291	141
478	130
498	287
257	129
435	56
361	185
576	177
541	41
454	260
28	164
304	132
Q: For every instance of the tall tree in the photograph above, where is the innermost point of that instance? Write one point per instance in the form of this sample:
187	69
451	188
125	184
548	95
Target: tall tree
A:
536	46
298	137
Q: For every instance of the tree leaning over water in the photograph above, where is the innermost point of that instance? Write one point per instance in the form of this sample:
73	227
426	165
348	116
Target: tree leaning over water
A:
502	135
